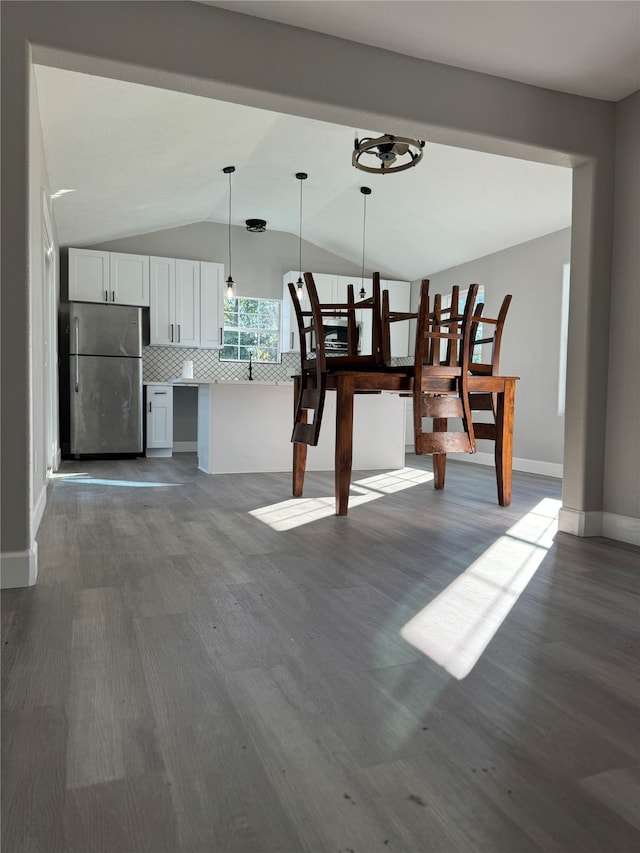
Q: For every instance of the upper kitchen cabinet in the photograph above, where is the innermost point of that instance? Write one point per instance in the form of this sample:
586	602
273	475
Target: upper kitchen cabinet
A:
111	277
129	279
331	288
88	276
399	300
175	302
212	292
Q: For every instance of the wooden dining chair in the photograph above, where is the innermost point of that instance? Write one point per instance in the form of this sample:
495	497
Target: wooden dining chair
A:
486	341
316	362
440	386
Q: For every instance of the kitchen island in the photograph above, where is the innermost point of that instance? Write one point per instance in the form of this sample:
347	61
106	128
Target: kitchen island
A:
245	426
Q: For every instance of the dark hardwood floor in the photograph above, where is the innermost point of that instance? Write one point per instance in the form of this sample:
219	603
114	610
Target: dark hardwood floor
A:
208	666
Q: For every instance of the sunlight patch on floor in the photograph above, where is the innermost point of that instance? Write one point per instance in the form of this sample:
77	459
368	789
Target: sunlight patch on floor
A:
72	479
298	511
456	627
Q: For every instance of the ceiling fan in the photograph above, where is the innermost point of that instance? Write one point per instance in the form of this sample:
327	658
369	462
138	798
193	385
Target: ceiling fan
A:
395	153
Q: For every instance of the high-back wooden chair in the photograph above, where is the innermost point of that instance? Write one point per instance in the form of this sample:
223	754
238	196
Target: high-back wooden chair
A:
316	362
440	388
486	349
486	341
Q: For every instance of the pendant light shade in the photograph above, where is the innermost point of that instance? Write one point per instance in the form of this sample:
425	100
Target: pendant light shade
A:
229	170
365	192
301	176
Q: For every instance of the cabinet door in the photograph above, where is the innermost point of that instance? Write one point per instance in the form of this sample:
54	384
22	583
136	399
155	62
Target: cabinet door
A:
88	275
327	287
187	304
289	338
129	279
212	292
162	274
399	300
159	416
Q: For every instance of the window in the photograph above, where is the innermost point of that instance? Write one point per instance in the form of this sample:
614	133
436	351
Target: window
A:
251	329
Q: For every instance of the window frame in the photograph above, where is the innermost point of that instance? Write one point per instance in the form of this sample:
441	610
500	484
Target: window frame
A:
250	330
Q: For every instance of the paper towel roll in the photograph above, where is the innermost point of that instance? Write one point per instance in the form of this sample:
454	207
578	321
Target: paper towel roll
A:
187	369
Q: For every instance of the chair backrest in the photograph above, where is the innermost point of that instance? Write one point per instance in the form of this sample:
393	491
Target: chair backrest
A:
443	334
312	324
486	339
389	316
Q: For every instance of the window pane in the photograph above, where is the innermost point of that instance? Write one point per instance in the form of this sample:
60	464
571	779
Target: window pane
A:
252	327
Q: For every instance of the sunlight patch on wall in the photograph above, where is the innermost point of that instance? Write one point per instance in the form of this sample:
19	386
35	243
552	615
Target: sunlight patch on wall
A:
456	627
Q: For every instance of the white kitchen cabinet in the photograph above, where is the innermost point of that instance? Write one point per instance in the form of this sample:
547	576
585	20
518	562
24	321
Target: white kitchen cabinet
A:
331	288
399	300
112	277
159	418
174	302
212	293
88	275
128	279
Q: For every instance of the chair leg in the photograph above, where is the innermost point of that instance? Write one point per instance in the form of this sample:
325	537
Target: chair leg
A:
344	442
299	449
439	459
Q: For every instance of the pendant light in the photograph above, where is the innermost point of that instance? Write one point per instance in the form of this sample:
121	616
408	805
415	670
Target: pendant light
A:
301	176
365	192
229	170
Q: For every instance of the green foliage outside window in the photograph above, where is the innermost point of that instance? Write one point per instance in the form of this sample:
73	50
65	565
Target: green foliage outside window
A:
251	328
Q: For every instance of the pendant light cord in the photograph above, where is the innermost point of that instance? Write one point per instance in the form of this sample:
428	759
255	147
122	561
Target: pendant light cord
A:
364	226
300	234
230	276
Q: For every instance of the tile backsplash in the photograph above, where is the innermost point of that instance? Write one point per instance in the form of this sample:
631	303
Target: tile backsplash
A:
161	364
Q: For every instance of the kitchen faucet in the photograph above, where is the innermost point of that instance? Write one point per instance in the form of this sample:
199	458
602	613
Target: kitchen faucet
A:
250	368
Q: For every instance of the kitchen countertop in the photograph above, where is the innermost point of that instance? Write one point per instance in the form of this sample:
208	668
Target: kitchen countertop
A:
213	381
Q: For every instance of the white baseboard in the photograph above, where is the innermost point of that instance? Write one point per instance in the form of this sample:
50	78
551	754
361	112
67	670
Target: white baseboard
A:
185	446
158	452
527	466
19	568
621	527
38	511
579	523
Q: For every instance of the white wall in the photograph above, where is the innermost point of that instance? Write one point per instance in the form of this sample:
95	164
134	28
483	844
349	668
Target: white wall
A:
532	273
622	469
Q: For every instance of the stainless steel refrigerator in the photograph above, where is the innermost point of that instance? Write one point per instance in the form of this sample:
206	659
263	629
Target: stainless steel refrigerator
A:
105	375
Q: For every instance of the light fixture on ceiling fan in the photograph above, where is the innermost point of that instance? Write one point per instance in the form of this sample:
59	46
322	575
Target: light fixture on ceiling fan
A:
229	170
301	176
395	153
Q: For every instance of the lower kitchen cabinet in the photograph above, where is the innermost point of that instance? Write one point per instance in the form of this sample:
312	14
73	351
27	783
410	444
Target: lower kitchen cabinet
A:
159	419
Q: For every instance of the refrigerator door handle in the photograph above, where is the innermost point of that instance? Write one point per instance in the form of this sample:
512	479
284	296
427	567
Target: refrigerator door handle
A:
77	332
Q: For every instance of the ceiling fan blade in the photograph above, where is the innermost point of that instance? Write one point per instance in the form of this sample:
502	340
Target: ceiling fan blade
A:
400	148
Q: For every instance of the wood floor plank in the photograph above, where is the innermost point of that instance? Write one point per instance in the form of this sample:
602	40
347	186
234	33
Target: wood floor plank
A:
187	678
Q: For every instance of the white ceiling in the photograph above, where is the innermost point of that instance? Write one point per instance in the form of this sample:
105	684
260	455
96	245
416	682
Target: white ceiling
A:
142	159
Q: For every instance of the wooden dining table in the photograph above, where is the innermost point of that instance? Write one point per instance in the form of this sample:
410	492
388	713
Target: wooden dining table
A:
348	383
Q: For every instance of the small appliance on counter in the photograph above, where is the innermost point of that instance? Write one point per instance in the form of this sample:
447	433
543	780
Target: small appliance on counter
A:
105	376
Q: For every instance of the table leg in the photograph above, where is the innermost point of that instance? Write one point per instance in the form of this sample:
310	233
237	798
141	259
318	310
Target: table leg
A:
439	459
344	442
299	449
504	441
